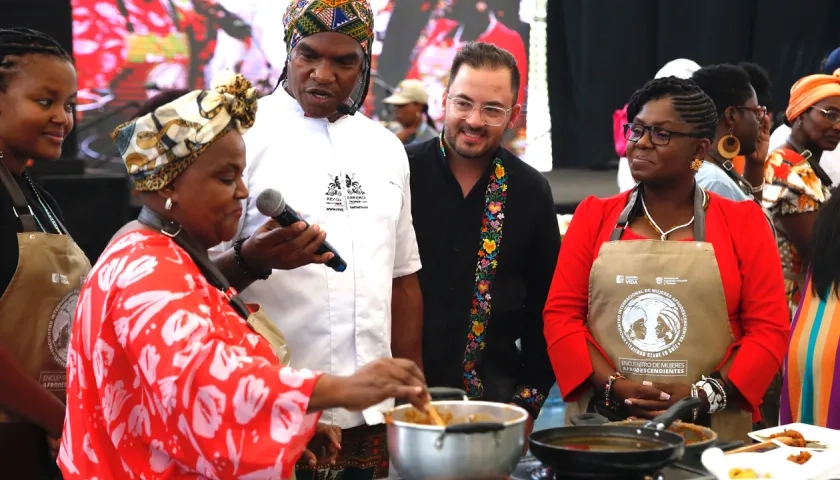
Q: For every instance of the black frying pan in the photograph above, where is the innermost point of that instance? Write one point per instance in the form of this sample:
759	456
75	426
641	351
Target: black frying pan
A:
607	450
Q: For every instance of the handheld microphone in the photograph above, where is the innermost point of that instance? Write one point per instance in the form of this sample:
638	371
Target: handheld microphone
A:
272	204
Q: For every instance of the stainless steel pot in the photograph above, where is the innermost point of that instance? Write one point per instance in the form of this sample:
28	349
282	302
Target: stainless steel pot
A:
463	450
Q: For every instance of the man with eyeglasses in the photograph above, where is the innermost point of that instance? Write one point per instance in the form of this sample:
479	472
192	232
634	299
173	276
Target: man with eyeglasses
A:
488	236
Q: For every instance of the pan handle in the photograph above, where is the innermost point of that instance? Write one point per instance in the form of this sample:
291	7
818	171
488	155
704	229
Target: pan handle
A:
589	419
674	412
477	427
446	393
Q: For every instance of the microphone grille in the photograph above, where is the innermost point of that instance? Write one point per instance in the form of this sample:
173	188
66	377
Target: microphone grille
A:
270	202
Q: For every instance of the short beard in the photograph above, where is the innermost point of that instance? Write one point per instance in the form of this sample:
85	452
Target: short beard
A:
452	141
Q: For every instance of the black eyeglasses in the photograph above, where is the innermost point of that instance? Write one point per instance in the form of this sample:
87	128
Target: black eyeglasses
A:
634	132
833	116
759	111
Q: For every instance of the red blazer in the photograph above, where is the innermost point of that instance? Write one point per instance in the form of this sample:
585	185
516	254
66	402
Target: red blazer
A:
750	270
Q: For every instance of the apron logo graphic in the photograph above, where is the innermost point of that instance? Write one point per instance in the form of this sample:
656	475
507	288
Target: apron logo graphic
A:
356	197
60	325
334	198
652	323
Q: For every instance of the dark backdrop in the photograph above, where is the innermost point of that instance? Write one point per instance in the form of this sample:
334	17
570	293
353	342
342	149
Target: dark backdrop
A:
600	51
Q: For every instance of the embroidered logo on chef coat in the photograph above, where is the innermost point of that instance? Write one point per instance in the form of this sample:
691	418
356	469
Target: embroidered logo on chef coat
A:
356	198
334	197
652	323
61	323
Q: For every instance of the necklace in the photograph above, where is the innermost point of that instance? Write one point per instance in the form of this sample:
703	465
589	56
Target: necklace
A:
44	207
664	234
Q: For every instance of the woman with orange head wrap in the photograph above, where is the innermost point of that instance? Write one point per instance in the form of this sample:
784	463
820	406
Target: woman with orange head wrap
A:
796	185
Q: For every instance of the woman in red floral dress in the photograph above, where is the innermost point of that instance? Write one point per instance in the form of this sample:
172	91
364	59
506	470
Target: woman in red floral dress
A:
169	374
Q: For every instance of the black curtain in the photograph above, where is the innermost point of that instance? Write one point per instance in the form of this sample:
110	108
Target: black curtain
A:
600	51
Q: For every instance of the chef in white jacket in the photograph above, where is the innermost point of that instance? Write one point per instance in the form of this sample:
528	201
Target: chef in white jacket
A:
348	176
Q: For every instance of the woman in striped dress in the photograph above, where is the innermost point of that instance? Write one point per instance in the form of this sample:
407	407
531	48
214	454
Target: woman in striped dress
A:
811	390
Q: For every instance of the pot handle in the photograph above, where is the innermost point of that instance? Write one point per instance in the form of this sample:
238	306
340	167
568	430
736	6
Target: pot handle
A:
446	393
589	419
477	427
674	412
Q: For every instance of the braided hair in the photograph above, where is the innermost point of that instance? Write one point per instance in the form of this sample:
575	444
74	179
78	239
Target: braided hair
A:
16	43
691	103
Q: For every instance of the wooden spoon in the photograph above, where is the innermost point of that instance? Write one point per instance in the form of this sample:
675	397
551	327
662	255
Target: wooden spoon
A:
436	416
763	445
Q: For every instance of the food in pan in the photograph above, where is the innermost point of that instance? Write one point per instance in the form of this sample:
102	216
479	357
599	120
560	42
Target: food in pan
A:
606	443
691	433
746	473
801	458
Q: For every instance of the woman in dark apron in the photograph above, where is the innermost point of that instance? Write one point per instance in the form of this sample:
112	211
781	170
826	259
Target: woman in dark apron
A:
41	267
668	291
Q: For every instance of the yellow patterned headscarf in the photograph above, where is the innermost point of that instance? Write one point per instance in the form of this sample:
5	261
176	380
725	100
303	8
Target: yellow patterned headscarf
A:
158	147
353	18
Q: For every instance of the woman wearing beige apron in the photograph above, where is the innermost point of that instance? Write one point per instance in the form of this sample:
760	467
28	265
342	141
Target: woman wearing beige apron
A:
41	268
170	374
668	291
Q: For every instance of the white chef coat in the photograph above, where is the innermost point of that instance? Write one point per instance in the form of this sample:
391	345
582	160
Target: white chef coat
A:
351	177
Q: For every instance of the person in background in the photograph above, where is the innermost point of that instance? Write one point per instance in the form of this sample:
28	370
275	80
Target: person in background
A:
796	184
348	175
642	258
830	159
760	80
41	267
680	68
411	111
170	373
480	197
740	120
812	371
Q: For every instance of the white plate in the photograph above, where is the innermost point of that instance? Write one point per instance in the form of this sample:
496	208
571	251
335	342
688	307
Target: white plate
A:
828	437
821	466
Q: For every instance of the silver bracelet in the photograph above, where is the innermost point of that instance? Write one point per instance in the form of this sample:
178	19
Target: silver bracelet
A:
721	390
695	412
758	188
714	398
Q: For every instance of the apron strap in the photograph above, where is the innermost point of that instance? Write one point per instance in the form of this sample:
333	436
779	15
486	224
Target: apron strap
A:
20	206
624	218
699	214
199	256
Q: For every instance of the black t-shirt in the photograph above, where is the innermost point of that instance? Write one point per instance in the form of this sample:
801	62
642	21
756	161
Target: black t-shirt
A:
10	225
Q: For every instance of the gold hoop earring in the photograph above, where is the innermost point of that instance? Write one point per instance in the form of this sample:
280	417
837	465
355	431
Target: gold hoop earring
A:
168	204
728	147
696	164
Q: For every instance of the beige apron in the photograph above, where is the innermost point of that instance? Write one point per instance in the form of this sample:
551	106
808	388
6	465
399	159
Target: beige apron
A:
658	310
37	308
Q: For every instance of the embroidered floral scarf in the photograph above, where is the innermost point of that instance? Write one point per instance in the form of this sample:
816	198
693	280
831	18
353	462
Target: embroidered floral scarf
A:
491	239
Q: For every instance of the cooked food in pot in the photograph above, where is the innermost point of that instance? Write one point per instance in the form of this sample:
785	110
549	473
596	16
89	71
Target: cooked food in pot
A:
420	418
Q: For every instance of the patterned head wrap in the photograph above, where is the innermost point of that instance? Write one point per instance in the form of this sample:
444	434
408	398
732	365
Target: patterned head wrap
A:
158	147
810	90
353	18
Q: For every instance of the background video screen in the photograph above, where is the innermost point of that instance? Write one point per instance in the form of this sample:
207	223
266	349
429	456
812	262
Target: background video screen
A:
128	50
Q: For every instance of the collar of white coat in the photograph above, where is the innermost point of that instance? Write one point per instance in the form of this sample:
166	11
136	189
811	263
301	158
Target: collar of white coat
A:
290	104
